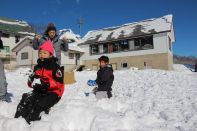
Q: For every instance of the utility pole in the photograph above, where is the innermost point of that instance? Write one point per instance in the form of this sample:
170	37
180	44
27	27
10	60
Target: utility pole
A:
80	22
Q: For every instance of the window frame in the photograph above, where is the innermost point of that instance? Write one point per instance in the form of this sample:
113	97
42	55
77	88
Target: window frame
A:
124	67
91	49
71	55
24	55
117	45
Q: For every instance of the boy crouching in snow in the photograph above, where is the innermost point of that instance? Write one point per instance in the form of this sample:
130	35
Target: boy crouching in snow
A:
47	84
104	79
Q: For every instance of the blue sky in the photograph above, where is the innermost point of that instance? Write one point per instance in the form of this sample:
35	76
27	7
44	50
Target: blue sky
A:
105	13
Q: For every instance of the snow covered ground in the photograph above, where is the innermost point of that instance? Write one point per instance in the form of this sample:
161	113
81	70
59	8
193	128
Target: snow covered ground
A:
143	100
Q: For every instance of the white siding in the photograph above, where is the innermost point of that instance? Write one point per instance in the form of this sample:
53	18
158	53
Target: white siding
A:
31	54
10	41
65	59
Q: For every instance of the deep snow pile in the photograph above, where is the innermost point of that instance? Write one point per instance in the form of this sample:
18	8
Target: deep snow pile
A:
182	68
144	100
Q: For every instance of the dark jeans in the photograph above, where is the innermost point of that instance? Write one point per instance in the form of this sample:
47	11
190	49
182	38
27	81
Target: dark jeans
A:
33	103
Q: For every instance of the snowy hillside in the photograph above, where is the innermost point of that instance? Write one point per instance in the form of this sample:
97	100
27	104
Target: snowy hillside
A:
13	22
143	100
15	26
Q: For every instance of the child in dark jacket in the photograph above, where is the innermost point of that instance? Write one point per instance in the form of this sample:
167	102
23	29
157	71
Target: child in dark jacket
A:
104	79
195	67
47	84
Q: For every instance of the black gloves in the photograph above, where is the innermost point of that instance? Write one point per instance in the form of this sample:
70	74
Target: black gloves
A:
31	79
42	88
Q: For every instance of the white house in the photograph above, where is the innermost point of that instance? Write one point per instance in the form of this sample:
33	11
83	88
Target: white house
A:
144	44
27	56
11	33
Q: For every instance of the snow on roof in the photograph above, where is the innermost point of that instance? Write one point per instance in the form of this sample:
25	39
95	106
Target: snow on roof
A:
68	34
21	43
17	22
150	26
75	47
73	39
26	33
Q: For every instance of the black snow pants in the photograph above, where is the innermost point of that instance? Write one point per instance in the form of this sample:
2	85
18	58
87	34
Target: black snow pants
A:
33	103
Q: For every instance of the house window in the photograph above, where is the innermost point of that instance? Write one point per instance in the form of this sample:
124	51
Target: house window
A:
110	48
5	35
115	47
147	43
6	49
137	44
105	48
17	39
24	55
71	55
94	49
124	65
78	56
143	43
124	45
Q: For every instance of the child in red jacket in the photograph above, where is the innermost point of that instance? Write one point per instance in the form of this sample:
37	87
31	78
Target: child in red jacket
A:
47	84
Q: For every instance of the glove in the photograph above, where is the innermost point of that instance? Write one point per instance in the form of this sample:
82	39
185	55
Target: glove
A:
91	83
36	81
31	79
43	88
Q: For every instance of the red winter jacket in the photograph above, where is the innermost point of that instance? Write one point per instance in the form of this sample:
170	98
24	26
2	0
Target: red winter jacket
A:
50	72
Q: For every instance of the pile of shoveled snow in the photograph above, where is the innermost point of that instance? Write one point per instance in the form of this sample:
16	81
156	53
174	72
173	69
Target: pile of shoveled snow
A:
182	68
143	100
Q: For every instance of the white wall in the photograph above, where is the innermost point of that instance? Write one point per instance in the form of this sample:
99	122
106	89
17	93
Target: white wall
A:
65	58
10	41
160	46
69	64
31	54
